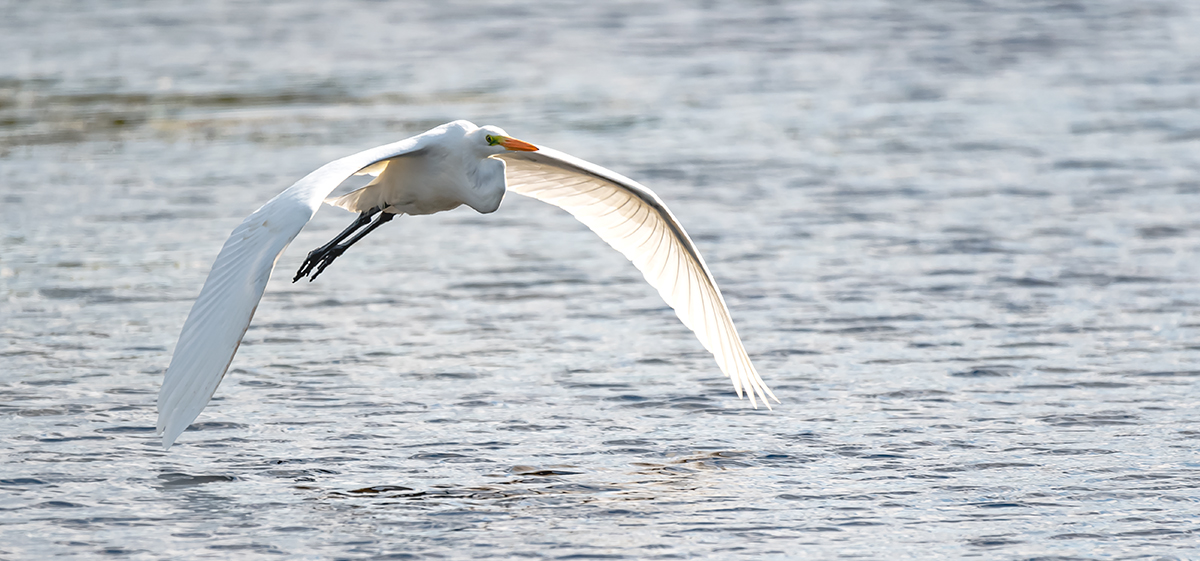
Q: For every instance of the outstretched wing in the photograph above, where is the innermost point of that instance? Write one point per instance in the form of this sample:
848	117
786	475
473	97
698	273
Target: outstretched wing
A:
222	312
633	220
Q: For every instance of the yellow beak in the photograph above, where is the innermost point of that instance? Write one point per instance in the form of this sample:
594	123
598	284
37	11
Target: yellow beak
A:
518	145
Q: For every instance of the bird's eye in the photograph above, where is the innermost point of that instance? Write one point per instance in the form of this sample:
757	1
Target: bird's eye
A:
490	140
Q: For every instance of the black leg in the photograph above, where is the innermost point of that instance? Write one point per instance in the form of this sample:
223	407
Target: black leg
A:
324	255
315	254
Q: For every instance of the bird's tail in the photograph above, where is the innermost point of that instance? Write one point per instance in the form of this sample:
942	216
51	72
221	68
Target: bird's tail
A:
366	198
359	200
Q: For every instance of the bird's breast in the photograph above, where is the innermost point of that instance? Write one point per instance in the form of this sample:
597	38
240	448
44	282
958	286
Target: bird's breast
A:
432	183
487	186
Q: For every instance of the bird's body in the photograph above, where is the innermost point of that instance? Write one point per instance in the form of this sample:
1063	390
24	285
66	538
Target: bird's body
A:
435	178
449	166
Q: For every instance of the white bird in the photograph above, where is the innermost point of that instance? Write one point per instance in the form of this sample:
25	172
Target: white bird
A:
454	164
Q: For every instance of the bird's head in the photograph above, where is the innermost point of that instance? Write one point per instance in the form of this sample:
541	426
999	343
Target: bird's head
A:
493	140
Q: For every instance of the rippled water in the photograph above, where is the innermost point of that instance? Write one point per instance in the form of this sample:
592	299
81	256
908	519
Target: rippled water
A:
959	239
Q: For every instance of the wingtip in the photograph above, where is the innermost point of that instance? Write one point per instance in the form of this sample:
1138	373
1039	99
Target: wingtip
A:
757	387
169	435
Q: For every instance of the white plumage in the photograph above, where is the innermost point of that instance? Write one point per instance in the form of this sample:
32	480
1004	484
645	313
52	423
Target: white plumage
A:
451	165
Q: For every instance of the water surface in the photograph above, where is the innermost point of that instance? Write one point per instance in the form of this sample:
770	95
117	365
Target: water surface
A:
959	241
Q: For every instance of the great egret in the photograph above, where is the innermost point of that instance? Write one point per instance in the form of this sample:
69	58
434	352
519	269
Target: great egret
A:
454	164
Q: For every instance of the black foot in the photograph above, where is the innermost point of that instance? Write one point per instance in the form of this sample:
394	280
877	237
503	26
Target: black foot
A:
322	256
319	258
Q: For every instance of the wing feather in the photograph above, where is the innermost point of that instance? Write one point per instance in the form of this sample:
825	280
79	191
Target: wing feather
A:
222	313
634	221
625	214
